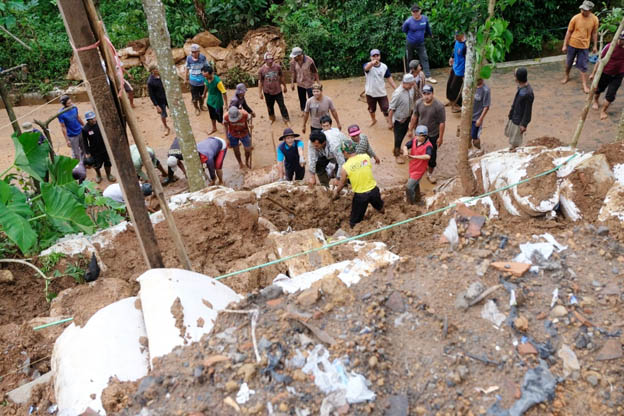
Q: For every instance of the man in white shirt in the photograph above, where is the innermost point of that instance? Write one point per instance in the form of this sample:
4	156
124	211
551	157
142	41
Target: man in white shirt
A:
376	74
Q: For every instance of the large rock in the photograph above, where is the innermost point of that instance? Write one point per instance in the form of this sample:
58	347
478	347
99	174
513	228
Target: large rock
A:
613	208
217	53
181	70
139	46
74	71
178	54
206	40
129	52
131	61
299	241
256	43
240	207
149	58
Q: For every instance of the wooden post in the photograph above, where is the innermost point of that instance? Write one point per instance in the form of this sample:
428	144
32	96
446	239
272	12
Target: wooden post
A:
9	108
99	30
113	131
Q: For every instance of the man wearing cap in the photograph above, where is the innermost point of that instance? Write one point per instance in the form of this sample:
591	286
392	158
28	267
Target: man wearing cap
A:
212	151
304	73
174	158
358	168
376	73
611	77
92	144
138	162
419	151
582	29
27	127
217	96
290	159
157	94
325	157
430	112
270	85
71	124
417	29
482	101
521	108
456	77
194	64
401	107
362	144
239	100
237	128
316	107
415	68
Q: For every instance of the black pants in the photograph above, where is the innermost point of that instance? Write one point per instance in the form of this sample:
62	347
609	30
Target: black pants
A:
295	170
270	103
611	83
454	88
196	93
304	94
360	204
400	130
321	171
434	151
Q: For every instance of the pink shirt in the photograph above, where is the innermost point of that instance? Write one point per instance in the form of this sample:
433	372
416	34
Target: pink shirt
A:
304	74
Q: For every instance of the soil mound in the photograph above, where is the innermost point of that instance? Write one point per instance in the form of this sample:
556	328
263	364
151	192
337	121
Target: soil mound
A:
546	141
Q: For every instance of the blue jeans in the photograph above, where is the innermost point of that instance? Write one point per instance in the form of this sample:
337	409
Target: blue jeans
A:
412	190
421	51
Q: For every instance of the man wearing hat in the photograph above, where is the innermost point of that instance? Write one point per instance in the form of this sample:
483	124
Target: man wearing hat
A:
362	144
415	68
611	77
27	127
430	112
194	64
417	28
456	77
239	100
375	73
93	145
71	124
419	151
270	85
582	29
401	107
212	151
237	128
304	73
290	159
358	168
521	109
217	96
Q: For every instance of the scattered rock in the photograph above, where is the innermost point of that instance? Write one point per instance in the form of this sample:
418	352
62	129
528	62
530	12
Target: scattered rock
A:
611	350
373	361
247	371
6	276
570	362
271	292
396	302
559	311
526	348
515	268
592	378
399	405
602	230
308	297
474	290
231	386
521	323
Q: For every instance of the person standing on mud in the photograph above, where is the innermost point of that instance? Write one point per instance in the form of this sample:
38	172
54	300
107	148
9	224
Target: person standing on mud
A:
237	128
416	29
93	146
415	68
290	159
71	124
217	96
316	107
456	77
303	73
611	77
582	29
376	74
358	169
239	101
481	107
362	145
401	107
521	108
419	151
325	157
157	94
194	64
270	85
430	112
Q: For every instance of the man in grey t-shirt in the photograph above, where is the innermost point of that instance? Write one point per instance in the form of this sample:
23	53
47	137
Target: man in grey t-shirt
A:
429	112
481	107
316	107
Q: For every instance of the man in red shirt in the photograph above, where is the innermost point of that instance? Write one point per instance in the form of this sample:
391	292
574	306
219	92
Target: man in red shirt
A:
237	128
270	84
611	77
419	151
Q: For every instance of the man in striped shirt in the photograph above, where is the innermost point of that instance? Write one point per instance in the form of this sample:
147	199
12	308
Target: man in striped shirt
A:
361	142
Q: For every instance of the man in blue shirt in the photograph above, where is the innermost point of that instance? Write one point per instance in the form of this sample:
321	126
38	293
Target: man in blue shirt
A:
71	124
417	29
456	78
194	64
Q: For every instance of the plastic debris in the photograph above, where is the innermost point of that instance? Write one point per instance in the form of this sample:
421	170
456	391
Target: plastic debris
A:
297	361
450	233
503	242
545	250
489	390
573	300
244	394
555	296
492	314
333	377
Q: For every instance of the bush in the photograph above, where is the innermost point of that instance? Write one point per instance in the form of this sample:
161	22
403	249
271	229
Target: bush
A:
236	75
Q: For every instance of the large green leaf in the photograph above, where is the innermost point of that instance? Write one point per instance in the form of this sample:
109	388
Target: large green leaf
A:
64	210
30	156
61	170
5	192
16	227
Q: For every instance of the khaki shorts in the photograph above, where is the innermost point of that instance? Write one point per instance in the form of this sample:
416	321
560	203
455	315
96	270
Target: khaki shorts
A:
513	132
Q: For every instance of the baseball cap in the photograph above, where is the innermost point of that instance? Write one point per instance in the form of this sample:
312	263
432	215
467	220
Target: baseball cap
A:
64	99
89	115
587	5
348	146
27	125
375	52
408	78
296	51
147	189
268	55
233	114
427	89
241	88
414	64
415	8
353	130
172	161
422	130
194	47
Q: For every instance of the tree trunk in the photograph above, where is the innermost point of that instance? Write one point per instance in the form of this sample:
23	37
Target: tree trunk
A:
161	43
9	108
201	13
469	184
594	85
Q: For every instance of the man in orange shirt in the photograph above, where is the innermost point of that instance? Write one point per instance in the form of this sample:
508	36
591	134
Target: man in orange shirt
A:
582	29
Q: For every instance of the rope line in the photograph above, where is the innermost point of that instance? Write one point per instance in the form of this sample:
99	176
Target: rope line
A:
387	227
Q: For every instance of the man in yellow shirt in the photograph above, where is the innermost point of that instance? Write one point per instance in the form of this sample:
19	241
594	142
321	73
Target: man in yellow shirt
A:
358	168
582	29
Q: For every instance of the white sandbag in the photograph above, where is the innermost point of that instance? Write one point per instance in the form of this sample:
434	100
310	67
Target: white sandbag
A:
84	359
200	298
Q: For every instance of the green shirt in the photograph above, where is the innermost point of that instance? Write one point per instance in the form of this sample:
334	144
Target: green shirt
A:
215	92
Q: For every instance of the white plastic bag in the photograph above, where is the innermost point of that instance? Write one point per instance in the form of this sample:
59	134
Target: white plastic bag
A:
451	233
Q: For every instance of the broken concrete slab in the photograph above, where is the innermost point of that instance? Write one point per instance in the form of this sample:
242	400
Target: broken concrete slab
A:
515	268
21	395
298	241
